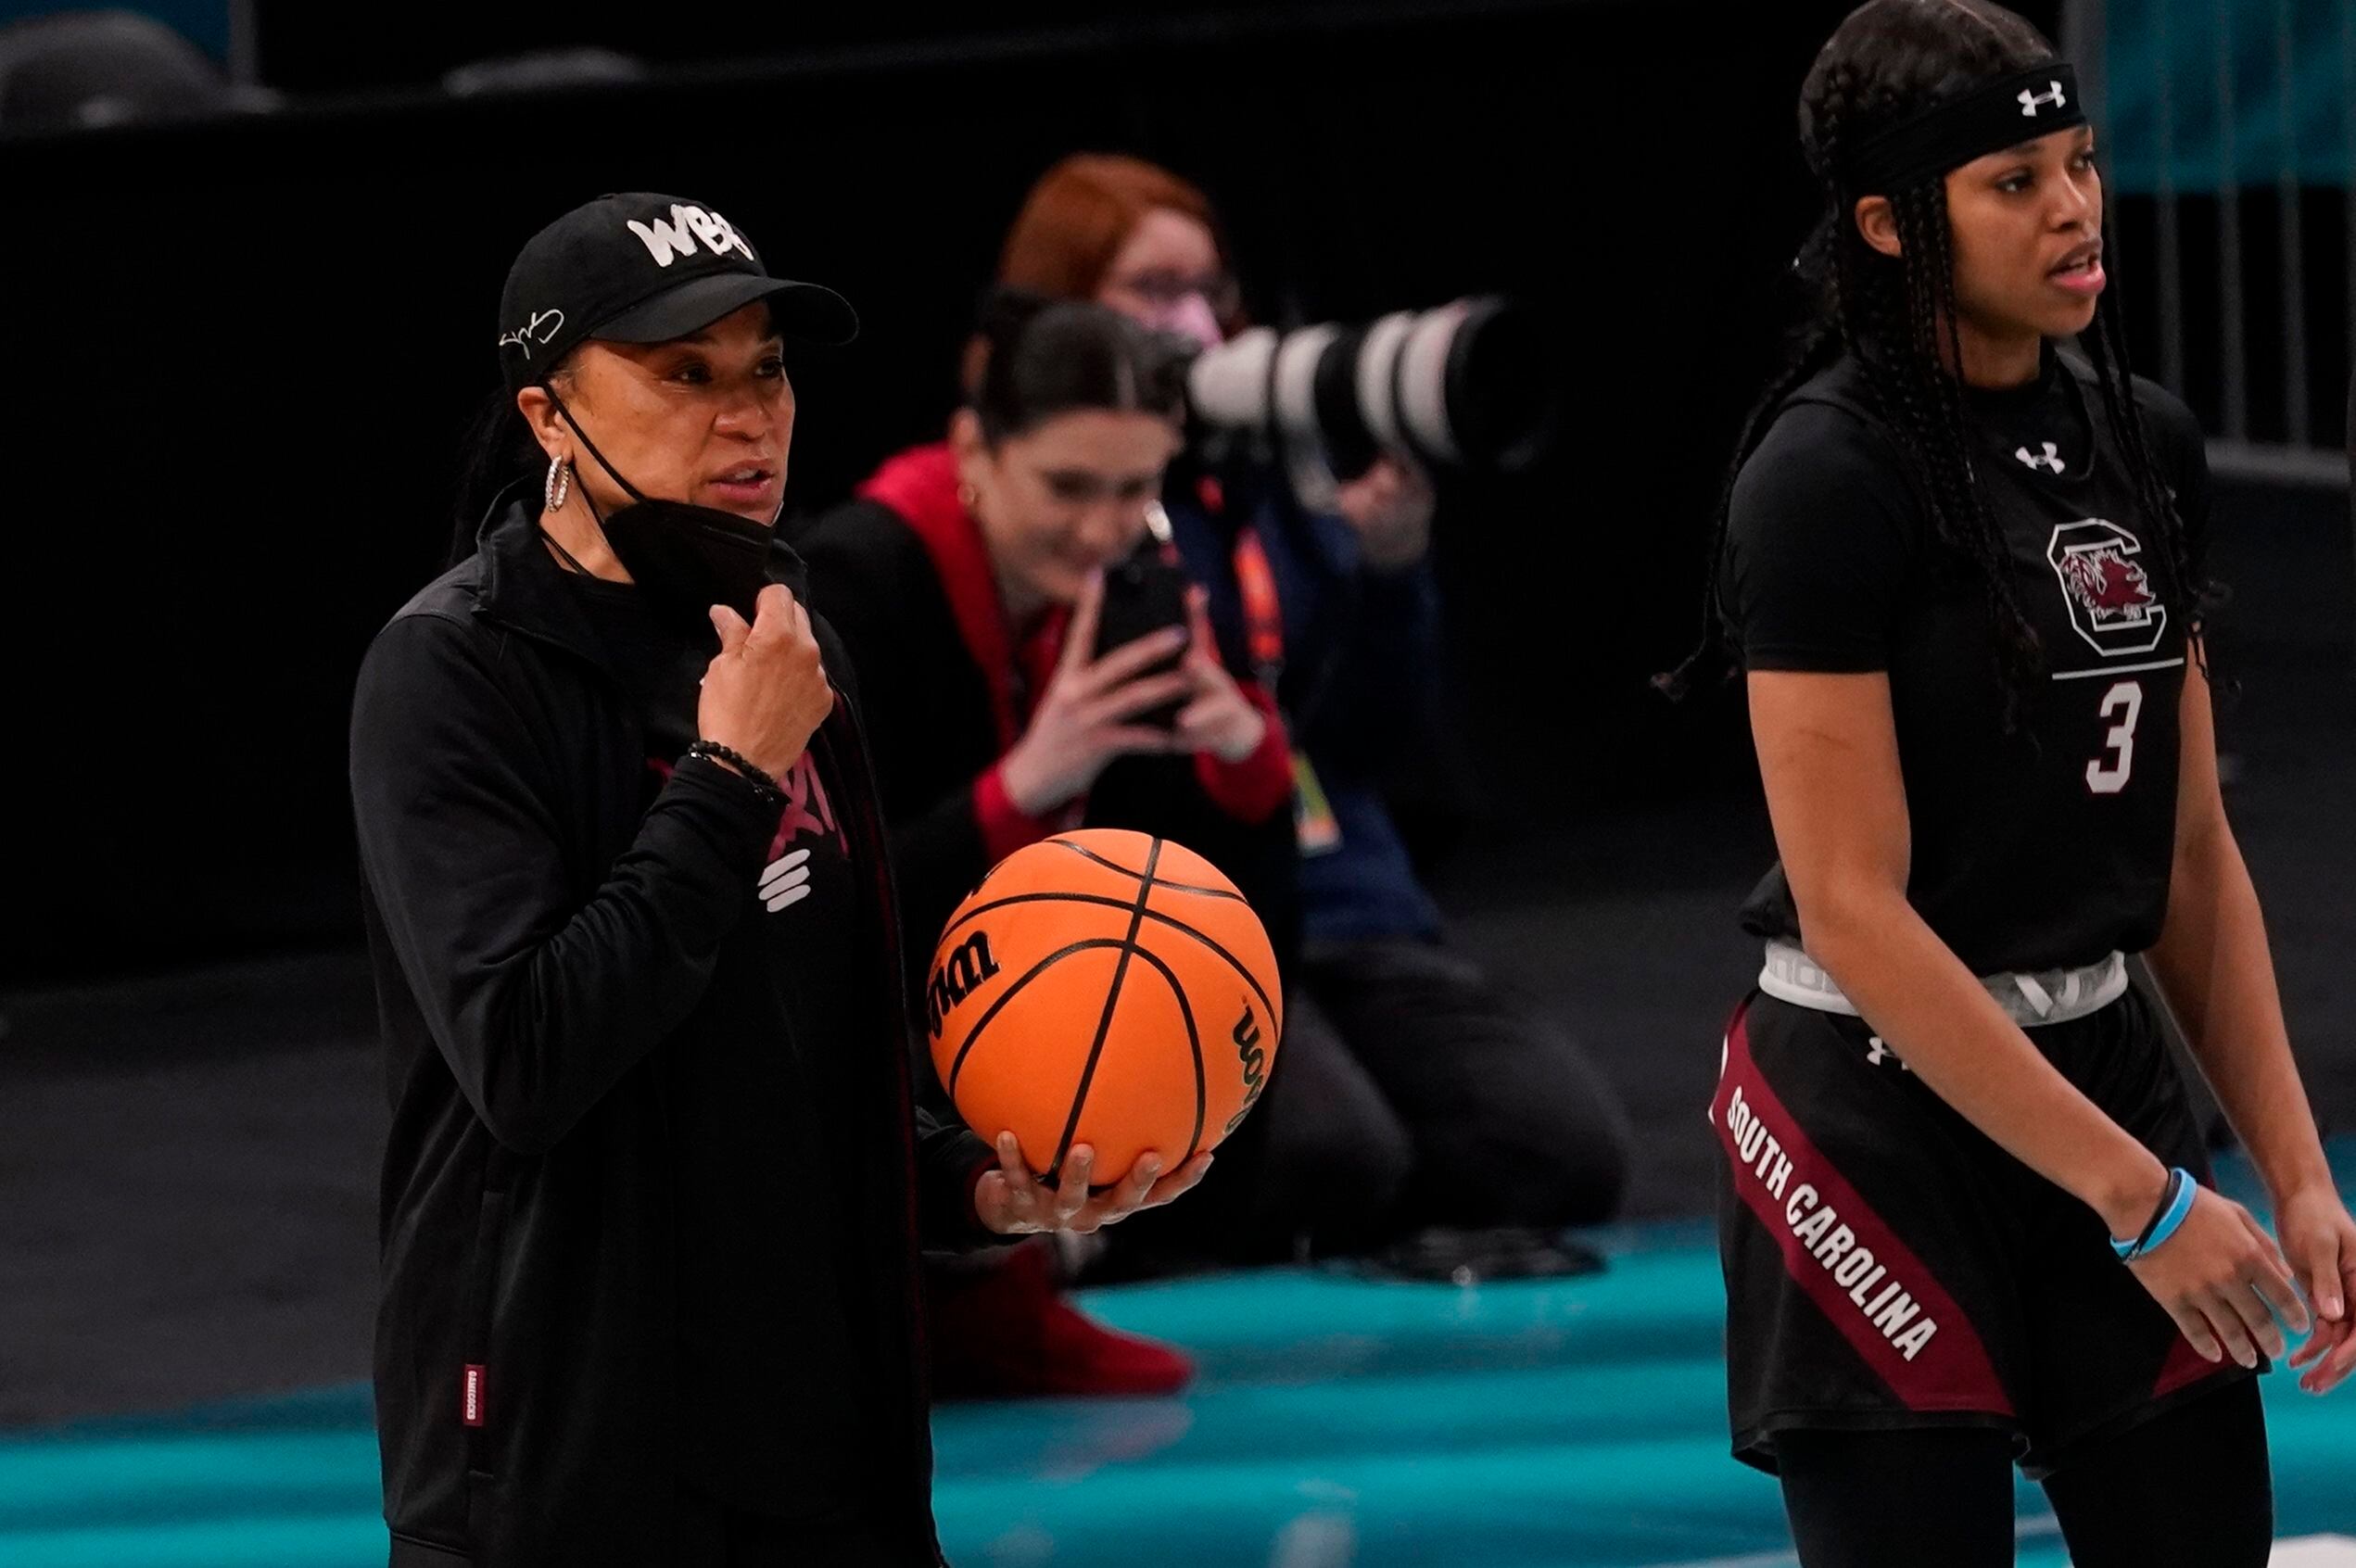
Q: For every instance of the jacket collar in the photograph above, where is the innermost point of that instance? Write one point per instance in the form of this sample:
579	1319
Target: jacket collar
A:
921	487
522	585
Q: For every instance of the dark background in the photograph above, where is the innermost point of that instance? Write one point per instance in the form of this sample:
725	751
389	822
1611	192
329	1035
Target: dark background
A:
245	353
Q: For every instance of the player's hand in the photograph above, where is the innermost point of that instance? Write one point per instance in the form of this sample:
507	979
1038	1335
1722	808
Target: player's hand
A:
2224	1281
1013	1202
1085	715
1217	717
766	693
2320	1240
1389	508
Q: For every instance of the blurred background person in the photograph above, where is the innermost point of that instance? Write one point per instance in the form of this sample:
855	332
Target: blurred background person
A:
968	581
1454	1105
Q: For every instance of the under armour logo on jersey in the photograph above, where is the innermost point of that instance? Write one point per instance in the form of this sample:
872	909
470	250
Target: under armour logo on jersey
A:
2030	101
2050	459
786	882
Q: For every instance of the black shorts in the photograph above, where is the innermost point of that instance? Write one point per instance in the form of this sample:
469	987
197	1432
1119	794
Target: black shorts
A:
1887	1265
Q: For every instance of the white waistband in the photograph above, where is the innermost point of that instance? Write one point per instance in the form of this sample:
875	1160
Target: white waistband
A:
2048	996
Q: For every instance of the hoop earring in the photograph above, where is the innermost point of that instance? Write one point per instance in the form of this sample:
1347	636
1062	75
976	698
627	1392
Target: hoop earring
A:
557	485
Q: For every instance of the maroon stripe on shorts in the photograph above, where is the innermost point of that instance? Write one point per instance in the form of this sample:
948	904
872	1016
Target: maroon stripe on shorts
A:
2183	1367
1787	1183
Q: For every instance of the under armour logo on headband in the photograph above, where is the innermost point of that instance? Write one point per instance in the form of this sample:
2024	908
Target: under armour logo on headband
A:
1947	135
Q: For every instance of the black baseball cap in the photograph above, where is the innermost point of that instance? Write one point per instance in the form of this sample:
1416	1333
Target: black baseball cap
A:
641	268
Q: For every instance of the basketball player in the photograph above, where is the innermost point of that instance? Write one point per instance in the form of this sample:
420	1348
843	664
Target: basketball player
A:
655	1183
1967	1217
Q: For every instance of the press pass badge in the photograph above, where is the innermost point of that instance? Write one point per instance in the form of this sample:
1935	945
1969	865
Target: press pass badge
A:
1313	826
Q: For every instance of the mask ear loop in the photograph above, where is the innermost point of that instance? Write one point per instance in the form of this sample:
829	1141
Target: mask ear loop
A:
628	489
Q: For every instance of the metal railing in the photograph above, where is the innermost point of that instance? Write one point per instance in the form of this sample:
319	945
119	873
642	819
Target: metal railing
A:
2238	117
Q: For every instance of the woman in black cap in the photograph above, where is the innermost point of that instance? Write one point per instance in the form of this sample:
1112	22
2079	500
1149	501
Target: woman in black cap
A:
1967	1214
654	1185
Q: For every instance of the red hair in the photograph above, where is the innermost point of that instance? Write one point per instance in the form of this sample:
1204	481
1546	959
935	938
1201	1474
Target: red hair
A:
1081	213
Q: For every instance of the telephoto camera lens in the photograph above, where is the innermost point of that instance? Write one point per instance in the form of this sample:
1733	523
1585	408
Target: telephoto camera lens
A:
1465	385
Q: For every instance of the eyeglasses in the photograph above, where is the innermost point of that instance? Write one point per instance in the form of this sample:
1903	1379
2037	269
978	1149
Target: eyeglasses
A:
1218	289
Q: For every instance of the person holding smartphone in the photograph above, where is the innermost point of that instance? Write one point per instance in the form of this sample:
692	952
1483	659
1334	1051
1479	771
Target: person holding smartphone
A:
1030	665
1470	1125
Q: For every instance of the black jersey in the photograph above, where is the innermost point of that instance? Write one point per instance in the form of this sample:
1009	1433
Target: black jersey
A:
2050	845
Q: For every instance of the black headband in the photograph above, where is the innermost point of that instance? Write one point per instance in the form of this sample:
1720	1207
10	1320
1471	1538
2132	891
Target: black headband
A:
2027	104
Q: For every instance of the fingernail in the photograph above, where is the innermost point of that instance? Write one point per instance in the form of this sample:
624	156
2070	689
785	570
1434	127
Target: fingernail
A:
2331	1308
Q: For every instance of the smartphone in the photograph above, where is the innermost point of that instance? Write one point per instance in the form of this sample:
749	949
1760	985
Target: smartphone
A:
1144	593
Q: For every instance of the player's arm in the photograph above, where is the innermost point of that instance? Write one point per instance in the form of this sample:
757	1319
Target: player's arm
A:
1828	757
2215	966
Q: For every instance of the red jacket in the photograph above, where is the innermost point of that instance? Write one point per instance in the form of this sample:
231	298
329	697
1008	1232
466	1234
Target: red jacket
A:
920	485
902	574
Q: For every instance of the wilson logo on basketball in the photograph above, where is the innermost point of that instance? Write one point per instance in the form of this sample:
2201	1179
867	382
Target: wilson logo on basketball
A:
1103	1008
1252	1059
953	979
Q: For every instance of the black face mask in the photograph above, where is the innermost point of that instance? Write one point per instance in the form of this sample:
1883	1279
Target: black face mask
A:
687	558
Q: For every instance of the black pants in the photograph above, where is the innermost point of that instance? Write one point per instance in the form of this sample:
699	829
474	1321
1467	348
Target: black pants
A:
1410	1092
2188	1488
712	1532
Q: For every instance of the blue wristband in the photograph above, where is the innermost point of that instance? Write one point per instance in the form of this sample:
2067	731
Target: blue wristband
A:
2174	1208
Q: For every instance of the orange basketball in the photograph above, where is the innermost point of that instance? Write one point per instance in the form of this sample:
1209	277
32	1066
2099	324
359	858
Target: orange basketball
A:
1106	987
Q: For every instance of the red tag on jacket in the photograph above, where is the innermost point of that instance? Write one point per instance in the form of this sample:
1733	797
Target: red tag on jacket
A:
469	1402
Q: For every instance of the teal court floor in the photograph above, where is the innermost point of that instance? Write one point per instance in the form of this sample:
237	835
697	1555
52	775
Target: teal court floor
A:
1337	1422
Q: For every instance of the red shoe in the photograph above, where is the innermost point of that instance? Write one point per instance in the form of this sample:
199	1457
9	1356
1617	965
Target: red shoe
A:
1004	1330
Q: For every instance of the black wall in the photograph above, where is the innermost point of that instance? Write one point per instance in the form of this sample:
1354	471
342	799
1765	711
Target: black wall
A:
242	357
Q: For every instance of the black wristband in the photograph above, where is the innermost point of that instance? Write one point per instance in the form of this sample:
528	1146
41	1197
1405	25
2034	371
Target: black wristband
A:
2167	1201
712	751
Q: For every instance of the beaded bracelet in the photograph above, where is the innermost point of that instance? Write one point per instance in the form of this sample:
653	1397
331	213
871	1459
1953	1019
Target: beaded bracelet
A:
712	751
2174	1204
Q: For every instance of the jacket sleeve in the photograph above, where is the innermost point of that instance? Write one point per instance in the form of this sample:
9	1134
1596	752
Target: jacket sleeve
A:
1250	791
537	1001
951	1161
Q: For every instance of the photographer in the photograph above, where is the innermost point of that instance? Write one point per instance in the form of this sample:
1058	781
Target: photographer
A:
968	581
1473	1113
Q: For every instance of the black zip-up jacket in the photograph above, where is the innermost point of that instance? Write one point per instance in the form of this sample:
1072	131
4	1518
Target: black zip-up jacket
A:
544	942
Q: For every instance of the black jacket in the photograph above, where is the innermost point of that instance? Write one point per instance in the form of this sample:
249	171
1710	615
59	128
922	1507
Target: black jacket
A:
544	939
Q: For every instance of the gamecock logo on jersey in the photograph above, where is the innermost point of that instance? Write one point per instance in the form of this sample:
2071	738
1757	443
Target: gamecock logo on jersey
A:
2110	595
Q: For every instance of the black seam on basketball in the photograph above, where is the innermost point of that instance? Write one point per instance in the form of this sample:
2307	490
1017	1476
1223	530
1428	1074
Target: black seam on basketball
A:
1087	854
1104	1019
1109	902
1194	1044
973	1037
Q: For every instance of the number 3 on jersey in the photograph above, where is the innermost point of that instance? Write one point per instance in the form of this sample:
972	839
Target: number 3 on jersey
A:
2106	775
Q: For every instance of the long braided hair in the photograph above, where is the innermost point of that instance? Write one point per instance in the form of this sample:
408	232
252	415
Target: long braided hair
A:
1898	317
